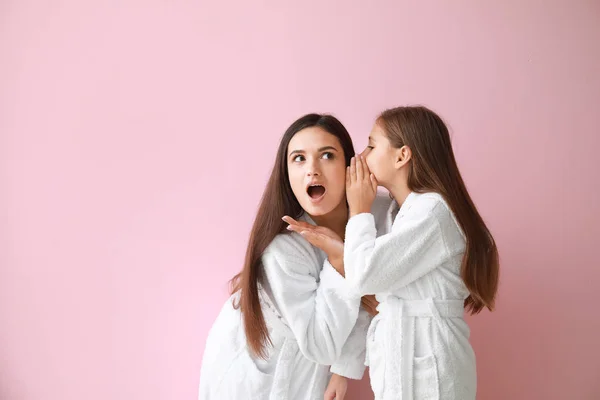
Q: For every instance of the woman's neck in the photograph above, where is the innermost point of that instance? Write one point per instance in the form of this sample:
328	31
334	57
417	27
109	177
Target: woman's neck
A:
336	220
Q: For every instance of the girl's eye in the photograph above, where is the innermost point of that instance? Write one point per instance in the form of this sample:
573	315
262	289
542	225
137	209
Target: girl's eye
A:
298	158
328	156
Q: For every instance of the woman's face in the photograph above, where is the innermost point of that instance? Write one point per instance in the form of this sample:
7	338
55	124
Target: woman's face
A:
317	170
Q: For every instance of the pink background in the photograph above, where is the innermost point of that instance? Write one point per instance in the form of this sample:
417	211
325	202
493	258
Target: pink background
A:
136	137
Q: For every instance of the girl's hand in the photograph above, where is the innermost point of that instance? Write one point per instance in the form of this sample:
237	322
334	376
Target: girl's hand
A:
361	186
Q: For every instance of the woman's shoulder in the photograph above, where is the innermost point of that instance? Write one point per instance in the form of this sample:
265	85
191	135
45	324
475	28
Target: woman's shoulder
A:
290	245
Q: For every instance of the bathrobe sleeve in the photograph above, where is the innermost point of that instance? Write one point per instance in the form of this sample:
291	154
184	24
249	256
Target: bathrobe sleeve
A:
414	247
351	363
315	303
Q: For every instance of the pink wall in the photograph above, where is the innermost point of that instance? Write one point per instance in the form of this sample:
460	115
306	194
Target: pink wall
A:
127	130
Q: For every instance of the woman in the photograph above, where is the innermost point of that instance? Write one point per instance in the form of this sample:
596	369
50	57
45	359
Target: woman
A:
290	315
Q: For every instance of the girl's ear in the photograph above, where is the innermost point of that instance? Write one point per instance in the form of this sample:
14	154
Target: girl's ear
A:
403	156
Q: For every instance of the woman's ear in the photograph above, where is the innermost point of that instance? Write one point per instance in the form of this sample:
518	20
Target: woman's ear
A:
403	156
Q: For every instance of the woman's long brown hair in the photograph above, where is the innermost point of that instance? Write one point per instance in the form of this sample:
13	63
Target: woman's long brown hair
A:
433	168
277	201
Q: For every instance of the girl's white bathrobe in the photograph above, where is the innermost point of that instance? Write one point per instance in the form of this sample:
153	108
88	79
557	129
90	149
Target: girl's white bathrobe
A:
313	323
418	345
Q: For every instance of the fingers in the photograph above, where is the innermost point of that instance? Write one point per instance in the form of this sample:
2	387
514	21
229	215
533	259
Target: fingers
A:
363	303
311	236
365	167
289	220
353	170
369	303
292	221
299	224
359	169
295	228
329	395
369	309
304	231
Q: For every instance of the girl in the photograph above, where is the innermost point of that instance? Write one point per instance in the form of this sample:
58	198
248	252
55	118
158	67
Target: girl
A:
437	259
290	315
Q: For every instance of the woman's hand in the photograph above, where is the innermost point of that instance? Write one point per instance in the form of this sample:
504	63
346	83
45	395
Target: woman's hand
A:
338	385
369	303
323	238
361	186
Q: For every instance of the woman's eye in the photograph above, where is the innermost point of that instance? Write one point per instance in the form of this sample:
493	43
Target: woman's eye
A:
298	158
328	156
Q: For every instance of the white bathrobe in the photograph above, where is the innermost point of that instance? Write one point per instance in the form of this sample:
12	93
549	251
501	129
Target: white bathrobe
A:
313	322
418	345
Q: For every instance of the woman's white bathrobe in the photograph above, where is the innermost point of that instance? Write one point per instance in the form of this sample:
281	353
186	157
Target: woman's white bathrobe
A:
418	345
313	322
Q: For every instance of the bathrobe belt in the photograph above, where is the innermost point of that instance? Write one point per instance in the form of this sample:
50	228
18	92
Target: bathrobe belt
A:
398	321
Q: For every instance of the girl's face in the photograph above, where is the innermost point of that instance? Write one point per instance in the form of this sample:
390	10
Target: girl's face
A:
381	157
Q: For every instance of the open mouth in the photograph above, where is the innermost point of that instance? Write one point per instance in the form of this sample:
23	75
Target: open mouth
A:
315	192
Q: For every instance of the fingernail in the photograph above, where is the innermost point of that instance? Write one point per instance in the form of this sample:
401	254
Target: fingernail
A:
289	228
